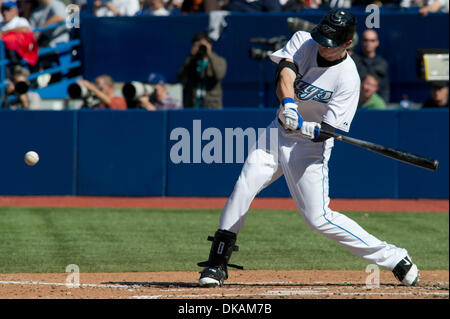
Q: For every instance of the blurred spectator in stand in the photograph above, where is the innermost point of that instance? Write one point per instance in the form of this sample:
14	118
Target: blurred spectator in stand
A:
158	8
191	6
254	6
174	4
153	7
26	7
201	74
18	87
159	99
103	89
16	33
298	5
79	3
369	99
405	4
10	18
292	5
145	8
365	3
111	8
47	13
368	61
439	95
434	6
346	3
99	8
405	103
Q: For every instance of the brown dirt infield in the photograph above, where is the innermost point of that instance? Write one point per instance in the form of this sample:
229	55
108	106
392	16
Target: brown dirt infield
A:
259	284
243	284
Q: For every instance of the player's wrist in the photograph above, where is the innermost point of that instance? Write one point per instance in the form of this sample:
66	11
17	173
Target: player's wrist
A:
289	102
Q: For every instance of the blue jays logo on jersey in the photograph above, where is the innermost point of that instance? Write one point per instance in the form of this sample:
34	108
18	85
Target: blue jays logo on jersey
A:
305	91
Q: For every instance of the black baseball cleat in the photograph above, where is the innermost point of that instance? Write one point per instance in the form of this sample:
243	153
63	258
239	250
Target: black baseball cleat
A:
212	277
406	272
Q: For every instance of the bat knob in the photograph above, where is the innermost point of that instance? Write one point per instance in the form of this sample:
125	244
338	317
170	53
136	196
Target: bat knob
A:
435	164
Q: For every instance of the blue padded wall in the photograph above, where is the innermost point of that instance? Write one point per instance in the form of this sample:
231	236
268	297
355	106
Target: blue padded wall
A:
121	153
128	153
52	135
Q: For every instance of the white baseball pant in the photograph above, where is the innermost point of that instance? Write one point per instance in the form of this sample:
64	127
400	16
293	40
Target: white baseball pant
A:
305	167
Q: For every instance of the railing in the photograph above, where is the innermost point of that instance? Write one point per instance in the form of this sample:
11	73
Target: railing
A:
49	27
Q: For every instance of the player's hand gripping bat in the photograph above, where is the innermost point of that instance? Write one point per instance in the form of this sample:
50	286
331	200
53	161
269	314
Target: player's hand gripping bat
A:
424	162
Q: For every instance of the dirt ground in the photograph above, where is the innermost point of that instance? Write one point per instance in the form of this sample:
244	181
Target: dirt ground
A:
242	284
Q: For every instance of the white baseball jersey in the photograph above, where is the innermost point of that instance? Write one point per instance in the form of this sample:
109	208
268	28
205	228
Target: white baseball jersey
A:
328	94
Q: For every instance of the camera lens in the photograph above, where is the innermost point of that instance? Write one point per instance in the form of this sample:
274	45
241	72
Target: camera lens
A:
21	87
129	91
74	91
202	51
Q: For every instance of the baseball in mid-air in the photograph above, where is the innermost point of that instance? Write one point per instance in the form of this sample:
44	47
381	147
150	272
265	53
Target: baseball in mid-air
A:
31	158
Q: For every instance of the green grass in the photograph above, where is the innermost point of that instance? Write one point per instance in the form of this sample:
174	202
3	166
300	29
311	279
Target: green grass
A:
130	240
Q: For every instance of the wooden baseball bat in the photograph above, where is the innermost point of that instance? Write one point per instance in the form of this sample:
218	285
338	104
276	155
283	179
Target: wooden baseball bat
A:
424	162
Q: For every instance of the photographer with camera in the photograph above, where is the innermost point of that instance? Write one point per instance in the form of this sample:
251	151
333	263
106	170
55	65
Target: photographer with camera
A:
103	89
17	94
159	99
201	74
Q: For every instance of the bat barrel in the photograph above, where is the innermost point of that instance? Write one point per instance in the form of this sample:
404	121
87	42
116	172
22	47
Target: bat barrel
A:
410	158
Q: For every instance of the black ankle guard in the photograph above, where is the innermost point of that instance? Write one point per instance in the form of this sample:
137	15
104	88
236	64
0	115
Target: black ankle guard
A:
221	250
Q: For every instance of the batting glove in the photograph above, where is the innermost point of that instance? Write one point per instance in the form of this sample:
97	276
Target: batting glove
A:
292	119
310	130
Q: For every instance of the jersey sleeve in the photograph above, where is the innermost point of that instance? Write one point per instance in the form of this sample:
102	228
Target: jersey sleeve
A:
342	108
291	47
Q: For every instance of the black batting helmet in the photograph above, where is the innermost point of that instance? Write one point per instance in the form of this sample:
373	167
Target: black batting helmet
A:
335	28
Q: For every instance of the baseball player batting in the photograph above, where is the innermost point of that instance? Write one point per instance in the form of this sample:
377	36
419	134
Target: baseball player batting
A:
318	87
